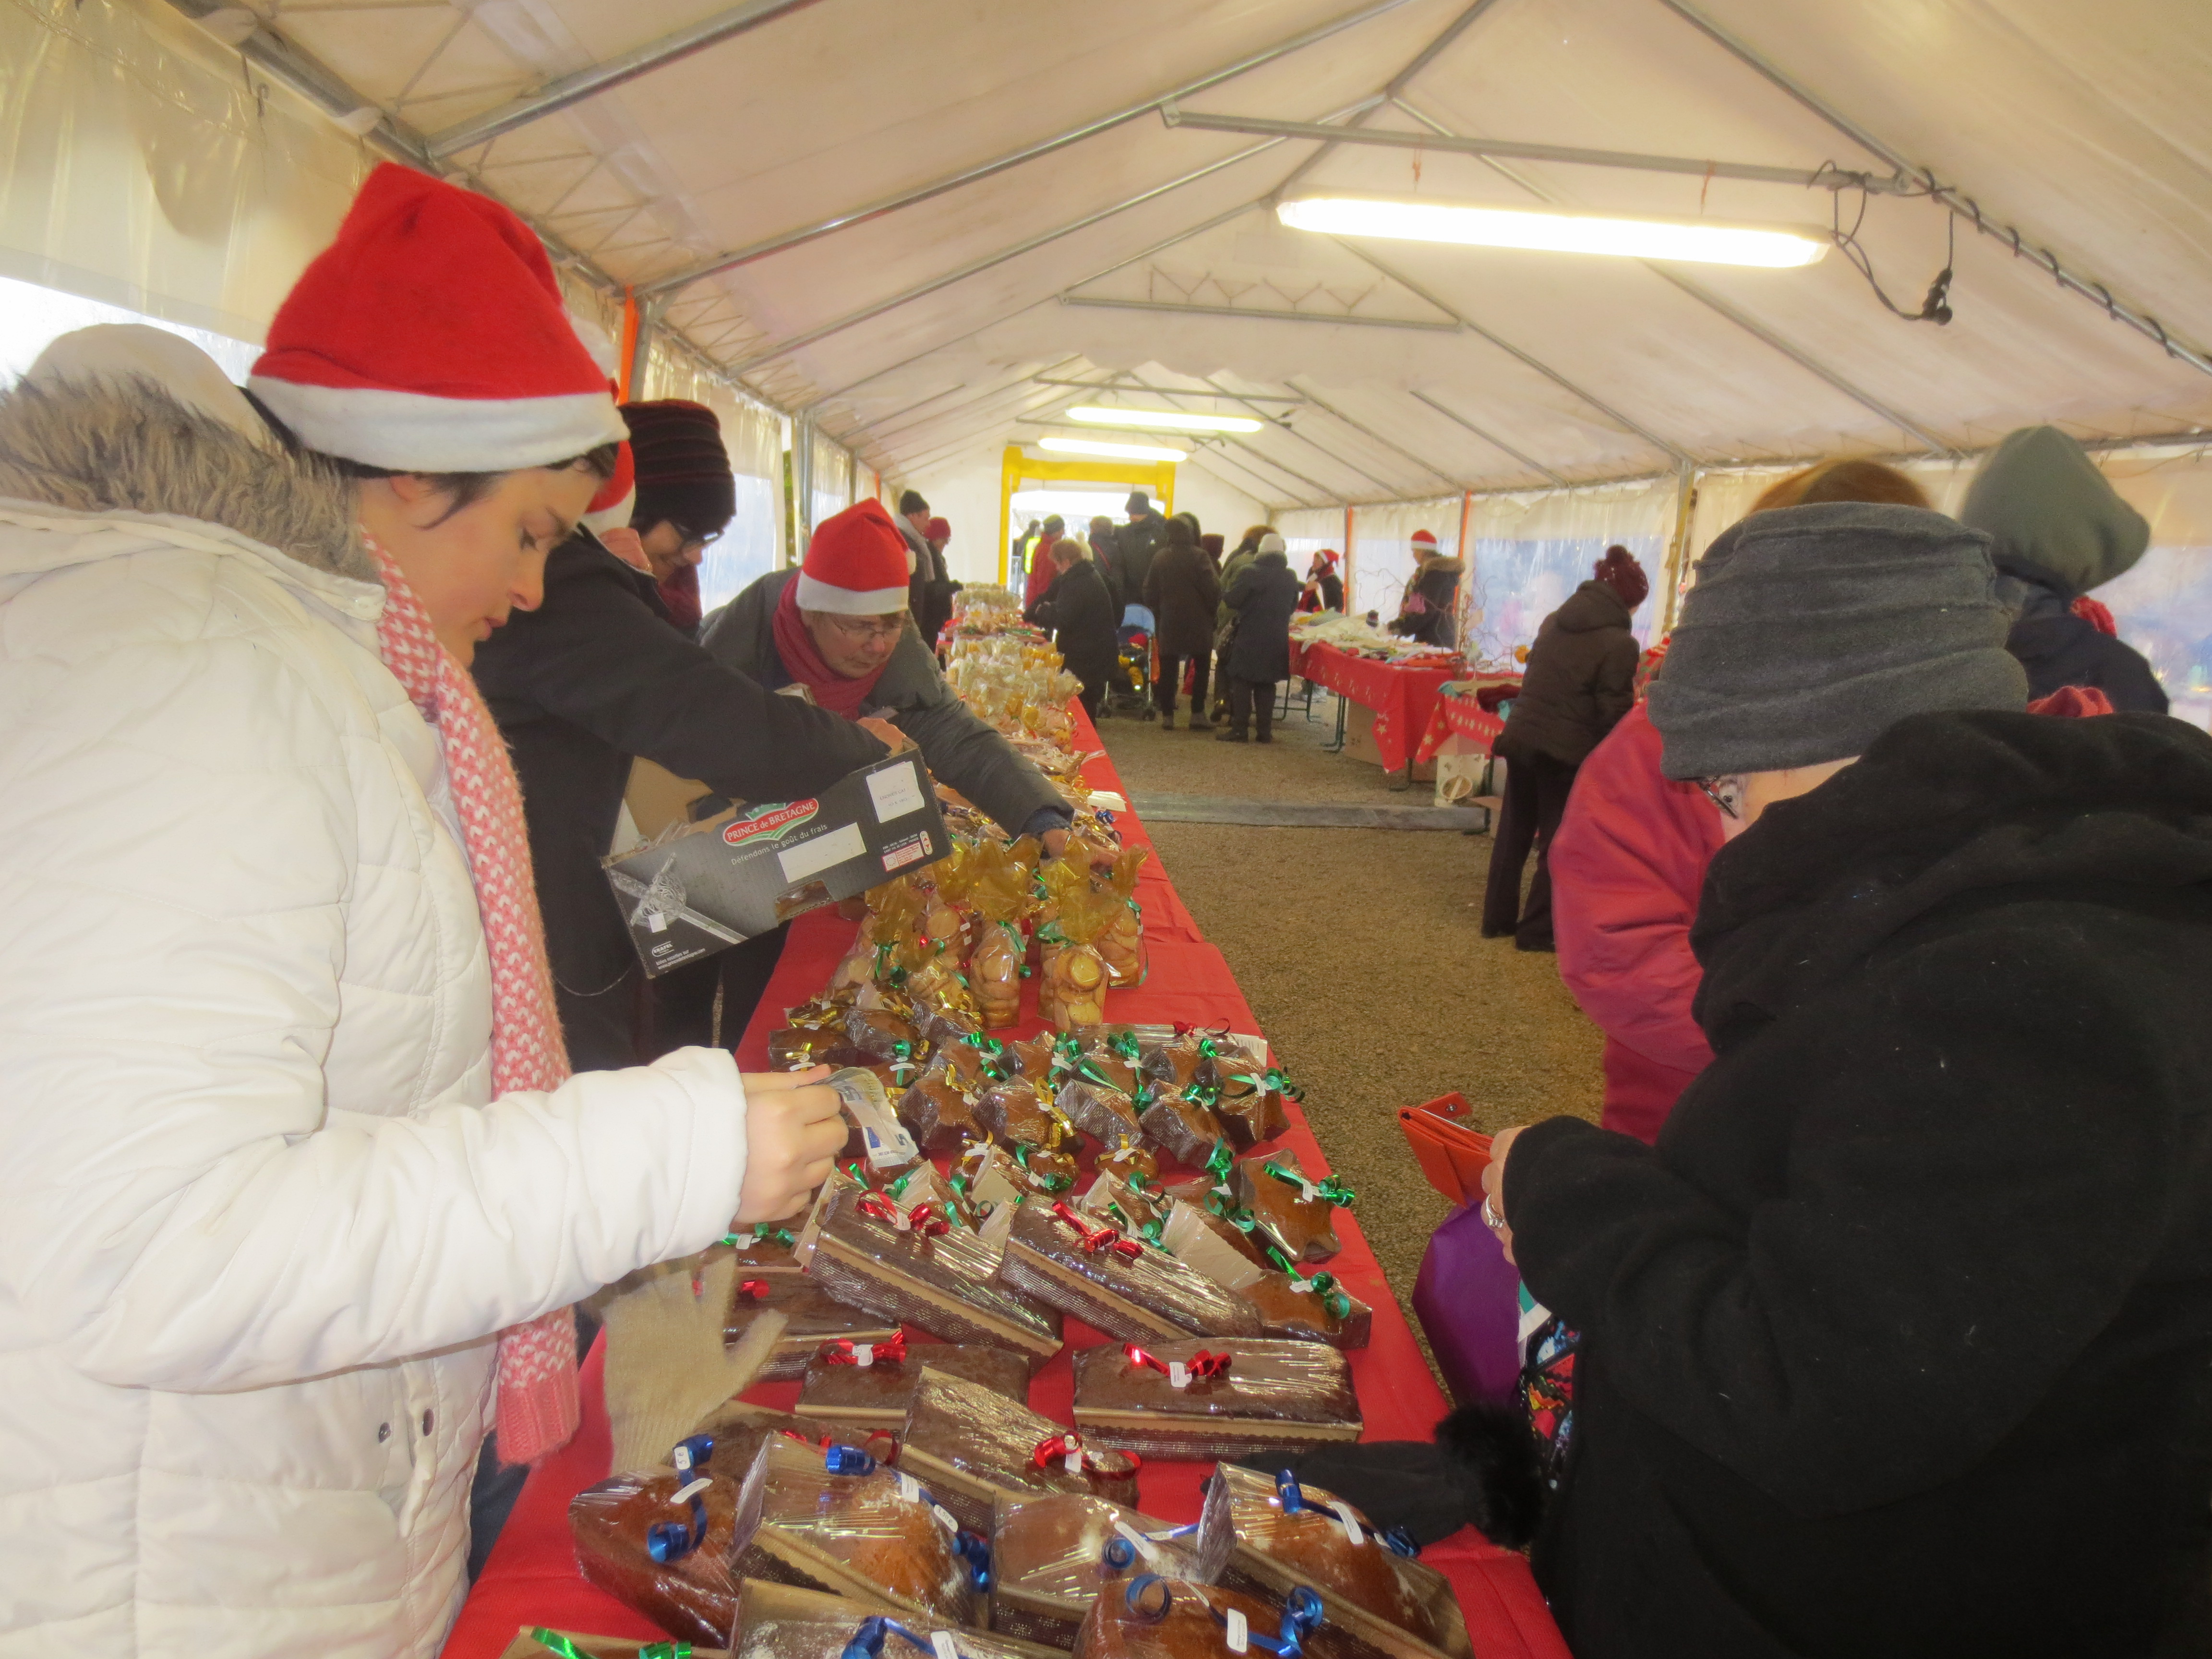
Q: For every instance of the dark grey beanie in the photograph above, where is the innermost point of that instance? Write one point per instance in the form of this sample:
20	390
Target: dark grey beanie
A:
1814	629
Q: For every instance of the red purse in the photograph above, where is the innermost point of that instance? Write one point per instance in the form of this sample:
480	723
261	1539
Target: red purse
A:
1451	1155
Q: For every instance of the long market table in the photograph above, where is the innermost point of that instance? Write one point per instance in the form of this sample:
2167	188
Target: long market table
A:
532	1577
1457	714
1401	694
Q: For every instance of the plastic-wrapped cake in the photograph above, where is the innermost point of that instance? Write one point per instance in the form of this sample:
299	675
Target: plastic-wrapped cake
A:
833	1519
1272	1535
1297	1212
873	1386
1179	1123
1054	1553
971	1444
1199	1399
663	1542
779	1621
916	1263
815	1317
1159	1618
1115	1282
940	1114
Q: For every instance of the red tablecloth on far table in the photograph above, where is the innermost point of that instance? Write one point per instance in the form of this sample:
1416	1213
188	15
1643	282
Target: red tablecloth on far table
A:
1457	714
531	1578
1401	695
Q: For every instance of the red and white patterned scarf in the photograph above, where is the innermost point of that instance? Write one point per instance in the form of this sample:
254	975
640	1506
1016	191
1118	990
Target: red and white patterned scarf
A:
537	1411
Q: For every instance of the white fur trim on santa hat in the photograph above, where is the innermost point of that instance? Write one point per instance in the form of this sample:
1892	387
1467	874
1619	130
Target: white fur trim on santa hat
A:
815	595
411	432
611	518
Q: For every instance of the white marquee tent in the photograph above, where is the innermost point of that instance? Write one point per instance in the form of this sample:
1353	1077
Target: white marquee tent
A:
892	238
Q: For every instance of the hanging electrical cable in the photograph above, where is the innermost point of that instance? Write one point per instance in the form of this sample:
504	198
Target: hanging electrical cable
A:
1936	305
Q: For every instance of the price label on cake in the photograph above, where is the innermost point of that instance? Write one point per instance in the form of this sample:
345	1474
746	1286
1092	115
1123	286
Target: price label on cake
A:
685	1494
864	1355
944	1518
1074	1461
909	1488
1239	1633
1344	1513
1179	1378
947	1647
1138	1542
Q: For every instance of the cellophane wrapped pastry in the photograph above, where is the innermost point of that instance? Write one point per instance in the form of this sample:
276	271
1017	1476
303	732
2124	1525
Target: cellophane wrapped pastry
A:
1034	1058
1074	981
1188	1063
739	1429
1290	1306
832	1518
875	1386
971	1444
664	1542
916	1263
1114	1281
999	884
1292	1209
1159	1618
940	1114
544	1644
1122	941
815	1317
1116	1052
781	1621
1091	1092
1054	1553
795	1047
1017	1113
1271	1535
1195	1399
1115	1203
1185	1128
1248	1099
1130	1161
763	1249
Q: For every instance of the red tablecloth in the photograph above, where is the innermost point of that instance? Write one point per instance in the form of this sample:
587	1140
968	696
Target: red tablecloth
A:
1400	695
531	1578
1457	714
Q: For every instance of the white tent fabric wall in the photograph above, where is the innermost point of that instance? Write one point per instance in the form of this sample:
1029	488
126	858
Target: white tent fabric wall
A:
142	171
831	481
1532	550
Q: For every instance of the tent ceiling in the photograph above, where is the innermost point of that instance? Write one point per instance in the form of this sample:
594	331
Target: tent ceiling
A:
920	333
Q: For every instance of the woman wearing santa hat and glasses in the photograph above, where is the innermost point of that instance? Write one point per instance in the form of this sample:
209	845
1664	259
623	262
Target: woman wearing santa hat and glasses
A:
296	1190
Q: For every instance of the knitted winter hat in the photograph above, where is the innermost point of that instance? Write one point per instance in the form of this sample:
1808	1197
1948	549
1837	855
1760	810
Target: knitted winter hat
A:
1271	542
1138	502
1213	544
429	336
910	502
682	471
1181	532
940	529
1619	571
855	564
1813	629
2054	517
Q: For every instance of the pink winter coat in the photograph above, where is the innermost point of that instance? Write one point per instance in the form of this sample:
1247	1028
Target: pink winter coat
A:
1627	866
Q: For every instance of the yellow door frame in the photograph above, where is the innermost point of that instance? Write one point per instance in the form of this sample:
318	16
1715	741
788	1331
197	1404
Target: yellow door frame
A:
1017	469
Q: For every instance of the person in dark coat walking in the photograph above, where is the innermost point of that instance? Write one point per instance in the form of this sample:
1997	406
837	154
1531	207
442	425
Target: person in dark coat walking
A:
2060	529
1265	597
1079	611
1581	679
1136	544
1899	1340
596	676
1183	592
1237	561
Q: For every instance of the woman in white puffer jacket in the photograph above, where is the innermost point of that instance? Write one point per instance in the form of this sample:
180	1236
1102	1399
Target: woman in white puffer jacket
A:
261	1219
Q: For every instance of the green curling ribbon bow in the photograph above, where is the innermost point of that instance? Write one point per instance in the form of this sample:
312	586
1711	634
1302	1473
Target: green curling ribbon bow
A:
1221	1160
1124	1043
1331	1297
778	1235
1051	1183
1207	1095
1272	1078
898	1188
1328	1188
553	1641
994	1053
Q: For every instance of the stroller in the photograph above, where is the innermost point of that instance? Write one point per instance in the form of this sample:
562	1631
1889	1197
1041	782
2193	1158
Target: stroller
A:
1130	693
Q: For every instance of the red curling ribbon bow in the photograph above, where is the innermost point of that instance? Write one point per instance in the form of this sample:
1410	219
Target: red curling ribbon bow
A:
755	1288
1099	1238
1199	1366
923	1218
1059	1446
843	1351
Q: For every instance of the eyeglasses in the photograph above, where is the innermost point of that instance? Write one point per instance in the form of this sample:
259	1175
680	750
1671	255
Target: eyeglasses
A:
695	538
864	630
1727	793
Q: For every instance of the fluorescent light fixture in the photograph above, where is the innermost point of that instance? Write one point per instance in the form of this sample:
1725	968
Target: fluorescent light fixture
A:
1706	241
1119	452
1174	420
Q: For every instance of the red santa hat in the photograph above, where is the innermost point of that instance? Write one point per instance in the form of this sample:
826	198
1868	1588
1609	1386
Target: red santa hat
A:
856	564
1328	556
1425	540
610	507
430	336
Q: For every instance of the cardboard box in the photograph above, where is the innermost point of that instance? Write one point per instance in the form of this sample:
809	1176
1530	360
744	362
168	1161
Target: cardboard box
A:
699	888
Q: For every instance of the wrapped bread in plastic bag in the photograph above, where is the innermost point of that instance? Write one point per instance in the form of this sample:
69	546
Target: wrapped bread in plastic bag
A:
1122	941
971	1444
1130	1161
1115	1051
1016	1112
1196	1400
739	1429
1054	1553
1113	1281
813	1316
795	1049
763	1249
998	881
1151	1617
1034	1058
940	1114
781	1621
874	1385
664	1542
833	1518
1295	1211
1190	1061
1248	1099
1075	979
1117	1204
1090	1091
540	1642
1180	1124
1272	1535
925	1264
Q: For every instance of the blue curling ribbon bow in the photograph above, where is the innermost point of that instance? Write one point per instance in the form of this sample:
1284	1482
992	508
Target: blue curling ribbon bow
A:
847	1460
671	1540
1287	1488
1402	1541
1139	1587
868	1641
976	1550
1302	1616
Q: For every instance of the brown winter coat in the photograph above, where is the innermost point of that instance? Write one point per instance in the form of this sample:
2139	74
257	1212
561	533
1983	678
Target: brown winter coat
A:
1581	679
1182	589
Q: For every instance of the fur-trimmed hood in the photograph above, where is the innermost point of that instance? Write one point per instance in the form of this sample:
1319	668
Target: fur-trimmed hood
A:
103	447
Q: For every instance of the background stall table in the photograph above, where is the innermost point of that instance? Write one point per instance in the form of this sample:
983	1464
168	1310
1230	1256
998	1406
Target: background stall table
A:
531	1578
1401	694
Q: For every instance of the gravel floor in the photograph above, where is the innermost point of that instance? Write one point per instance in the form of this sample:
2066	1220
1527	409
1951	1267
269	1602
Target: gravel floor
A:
1361	952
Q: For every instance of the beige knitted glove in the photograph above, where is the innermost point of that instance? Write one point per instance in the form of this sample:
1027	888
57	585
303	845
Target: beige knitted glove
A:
666	1366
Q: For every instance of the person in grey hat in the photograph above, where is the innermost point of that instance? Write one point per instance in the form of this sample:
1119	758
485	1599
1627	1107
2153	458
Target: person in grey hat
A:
2060	530
1898	1340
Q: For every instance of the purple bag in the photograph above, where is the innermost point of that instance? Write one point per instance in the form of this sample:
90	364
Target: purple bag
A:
1467	1298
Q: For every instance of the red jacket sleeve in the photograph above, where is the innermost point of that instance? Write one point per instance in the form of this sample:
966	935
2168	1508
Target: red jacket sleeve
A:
1627	866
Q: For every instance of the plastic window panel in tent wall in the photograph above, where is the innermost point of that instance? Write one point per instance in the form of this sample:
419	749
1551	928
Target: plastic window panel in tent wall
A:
1532	551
